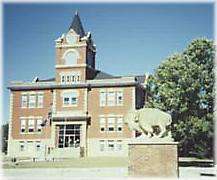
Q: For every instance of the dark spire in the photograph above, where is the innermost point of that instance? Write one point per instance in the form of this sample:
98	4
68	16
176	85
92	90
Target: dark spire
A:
77	25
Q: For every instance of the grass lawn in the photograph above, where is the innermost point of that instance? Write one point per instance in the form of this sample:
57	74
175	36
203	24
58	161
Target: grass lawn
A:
72	163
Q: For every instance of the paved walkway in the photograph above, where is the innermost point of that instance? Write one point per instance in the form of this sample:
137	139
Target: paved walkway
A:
91	173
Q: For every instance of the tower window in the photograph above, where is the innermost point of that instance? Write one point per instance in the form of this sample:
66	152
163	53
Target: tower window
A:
70	57
70	78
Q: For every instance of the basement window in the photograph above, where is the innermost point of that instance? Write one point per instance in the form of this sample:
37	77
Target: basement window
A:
111	145
22	145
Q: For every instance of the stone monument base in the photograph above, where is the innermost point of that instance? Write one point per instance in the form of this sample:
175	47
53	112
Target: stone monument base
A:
153	159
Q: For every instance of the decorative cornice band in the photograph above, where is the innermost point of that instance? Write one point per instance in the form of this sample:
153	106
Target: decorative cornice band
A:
70	86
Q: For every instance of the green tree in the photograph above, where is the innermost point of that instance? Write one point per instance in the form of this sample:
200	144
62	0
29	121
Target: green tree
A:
183	86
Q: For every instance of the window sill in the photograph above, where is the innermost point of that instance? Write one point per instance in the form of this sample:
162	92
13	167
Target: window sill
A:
26	133
73	105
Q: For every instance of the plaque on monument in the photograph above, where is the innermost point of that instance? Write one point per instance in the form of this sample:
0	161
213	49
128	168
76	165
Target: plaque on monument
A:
154	152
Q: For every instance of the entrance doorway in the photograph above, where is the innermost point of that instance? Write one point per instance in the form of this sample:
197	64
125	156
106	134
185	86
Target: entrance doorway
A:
69	135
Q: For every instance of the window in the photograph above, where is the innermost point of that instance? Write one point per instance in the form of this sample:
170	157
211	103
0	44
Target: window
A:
22	146
67	78
40	100
74	100
32	101
111	124
38	145
39	127
111	99
119	124
31	125
63	79
70	98
119	145
111	145
119	98
69	135
22	125
102	98
102	122
70	58
102	145
70	78
24	101
66	101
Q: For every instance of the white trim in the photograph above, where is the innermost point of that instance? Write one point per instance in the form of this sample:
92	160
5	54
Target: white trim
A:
71	66
70	46
54	101
69	91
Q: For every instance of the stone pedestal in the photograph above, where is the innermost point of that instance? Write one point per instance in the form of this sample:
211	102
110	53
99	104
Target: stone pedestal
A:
153	159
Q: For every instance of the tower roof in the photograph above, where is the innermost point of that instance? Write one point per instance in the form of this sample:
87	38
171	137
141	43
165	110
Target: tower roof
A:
76	25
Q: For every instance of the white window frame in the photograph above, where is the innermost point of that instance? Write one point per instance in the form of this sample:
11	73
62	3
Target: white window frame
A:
111	124
111	98
119	124
63	79
22	125
119	102
38	146
102	145
38	125
40	100
70	95
70	78
32	100
22	146
103	98
102	122
24	101
119	145
31	125
111	142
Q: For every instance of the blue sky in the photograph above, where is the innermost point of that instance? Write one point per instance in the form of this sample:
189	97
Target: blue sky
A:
130	38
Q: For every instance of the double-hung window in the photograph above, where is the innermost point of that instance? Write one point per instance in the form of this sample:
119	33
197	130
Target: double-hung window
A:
22	125
32	101
111	98
74	98
38	145
102	98
70	98
119	124
119	98
39	127
22	145
24	101
102	122
40	100
102	145
111	124
31	124
119	145
111	145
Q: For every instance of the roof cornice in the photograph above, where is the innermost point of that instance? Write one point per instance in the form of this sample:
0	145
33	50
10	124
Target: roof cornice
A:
43	86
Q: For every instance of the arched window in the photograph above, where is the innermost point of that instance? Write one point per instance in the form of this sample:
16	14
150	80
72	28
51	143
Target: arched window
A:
70	57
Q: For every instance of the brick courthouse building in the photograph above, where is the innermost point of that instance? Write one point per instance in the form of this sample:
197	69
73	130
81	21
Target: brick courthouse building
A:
80	112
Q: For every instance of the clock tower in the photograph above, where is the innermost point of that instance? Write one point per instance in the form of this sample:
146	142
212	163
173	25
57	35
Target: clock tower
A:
75	55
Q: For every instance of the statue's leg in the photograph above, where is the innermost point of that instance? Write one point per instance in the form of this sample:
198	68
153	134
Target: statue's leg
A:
162	130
